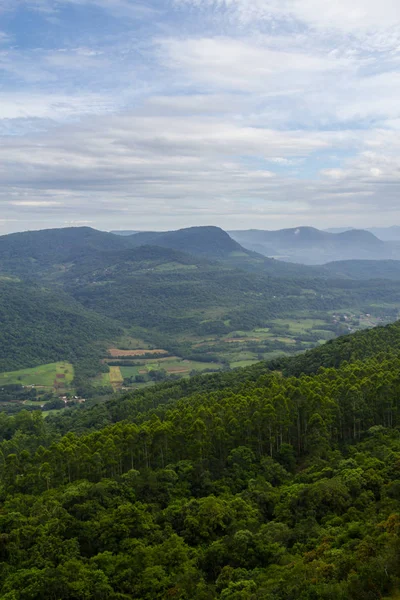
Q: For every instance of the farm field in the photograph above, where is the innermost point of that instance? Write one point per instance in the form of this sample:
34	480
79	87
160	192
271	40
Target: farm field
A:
119	352
176	366
115	377
153	360
51	376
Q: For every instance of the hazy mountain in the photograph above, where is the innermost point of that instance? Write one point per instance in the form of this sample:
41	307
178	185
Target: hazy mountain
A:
312	246
386	234
124	232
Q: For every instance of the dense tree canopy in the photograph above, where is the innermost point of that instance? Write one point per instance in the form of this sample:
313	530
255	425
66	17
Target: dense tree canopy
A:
244	485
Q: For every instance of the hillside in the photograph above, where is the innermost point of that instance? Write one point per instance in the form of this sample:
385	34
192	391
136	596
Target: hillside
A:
362	269
245	485
311	246
41	326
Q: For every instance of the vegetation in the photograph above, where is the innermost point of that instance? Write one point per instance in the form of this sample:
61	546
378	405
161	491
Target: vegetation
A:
244	485
81	292
40	326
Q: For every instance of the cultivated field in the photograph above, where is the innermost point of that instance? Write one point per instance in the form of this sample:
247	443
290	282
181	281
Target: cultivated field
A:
52	376
118	352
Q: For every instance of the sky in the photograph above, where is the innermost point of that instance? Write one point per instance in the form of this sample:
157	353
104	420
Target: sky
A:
161	114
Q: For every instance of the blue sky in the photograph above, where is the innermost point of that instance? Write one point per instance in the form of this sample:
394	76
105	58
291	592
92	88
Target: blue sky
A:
165	114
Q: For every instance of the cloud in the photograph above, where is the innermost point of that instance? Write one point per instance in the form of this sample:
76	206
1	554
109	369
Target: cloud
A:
184	170
358	16
237	113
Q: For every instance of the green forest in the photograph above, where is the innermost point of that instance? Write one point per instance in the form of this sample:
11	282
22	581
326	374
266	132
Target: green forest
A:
262	483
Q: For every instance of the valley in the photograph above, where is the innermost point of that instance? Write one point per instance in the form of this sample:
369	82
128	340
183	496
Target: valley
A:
225	422
126	315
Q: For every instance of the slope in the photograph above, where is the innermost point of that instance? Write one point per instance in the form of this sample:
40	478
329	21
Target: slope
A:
41	326
362	269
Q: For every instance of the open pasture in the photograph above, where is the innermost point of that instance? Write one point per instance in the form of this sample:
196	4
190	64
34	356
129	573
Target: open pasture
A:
50	376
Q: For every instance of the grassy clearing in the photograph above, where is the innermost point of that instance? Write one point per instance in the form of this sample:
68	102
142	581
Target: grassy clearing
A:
243	363
50	376
103	380
56	411
115	376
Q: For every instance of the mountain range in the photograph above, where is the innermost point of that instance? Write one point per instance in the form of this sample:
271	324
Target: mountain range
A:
300	245
311	246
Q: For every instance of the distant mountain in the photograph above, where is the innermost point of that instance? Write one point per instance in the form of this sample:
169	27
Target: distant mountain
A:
123	232
312	246
386	234
338	229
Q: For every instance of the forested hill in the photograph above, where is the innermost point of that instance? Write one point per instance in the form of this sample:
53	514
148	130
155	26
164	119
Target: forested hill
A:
42	326
35	252
212	242
350	348
243	486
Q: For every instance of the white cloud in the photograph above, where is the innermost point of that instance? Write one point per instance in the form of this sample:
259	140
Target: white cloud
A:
236	113
359	15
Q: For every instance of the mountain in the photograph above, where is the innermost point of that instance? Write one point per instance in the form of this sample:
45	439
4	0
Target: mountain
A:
311	246
215	244
123	232
35	252
210	242
339	229
386	234
50	252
